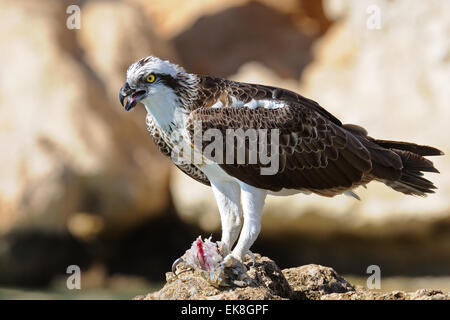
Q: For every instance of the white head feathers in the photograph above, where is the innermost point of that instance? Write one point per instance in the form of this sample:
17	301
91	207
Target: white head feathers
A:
152	64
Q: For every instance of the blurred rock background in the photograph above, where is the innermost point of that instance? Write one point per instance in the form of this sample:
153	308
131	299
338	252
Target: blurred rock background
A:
82	183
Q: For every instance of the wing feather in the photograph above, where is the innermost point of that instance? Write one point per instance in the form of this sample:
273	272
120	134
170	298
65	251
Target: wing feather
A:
314	152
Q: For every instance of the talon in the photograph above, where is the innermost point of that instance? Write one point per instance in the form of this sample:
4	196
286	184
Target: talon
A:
252	256
233	265
206	258
233	271
175	264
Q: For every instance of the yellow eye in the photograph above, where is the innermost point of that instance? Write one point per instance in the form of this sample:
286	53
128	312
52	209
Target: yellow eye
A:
150	78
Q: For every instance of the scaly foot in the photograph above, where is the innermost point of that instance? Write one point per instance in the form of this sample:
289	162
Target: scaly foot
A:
233	271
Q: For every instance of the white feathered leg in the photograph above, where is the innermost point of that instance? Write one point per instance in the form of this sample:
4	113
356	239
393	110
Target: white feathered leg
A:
252	200
228	198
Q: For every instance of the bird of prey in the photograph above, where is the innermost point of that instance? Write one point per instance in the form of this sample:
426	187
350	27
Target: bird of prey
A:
315	152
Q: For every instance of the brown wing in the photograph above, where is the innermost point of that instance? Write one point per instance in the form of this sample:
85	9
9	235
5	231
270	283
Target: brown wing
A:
215	89
315	153
189	169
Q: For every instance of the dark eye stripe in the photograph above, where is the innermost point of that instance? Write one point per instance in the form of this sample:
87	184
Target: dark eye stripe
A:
168	80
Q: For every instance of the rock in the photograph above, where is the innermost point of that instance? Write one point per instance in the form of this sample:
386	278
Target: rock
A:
308	15
364	294
258	33
361	75
72	158
75	167
268	282
312	281
309	282
115	35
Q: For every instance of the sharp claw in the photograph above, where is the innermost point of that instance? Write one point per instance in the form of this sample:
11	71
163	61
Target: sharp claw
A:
252	256
235	272
175	264
225	272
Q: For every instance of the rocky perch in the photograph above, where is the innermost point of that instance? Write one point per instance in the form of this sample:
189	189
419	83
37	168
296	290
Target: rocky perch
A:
269	282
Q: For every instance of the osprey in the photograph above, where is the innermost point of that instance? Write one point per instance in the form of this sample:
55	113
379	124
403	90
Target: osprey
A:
315	152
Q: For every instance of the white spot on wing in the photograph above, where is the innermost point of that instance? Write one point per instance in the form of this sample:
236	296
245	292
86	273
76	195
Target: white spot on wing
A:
265	103
218	104
236	102
252	104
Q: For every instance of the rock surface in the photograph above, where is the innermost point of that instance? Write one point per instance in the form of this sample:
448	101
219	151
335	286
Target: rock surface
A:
75	166
267	281
257	33
71	159
362	74
309	282
175	16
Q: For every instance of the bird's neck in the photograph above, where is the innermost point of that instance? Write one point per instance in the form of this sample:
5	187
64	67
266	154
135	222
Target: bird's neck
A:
169	109
167	112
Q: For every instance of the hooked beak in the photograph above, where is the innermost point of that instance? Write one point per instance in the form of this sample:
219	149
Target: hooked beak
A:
133	96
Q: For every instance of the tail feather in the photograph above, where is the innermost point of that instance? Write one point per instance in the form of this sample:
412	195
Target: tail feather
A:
416	180
411	180
413	184
415	162
411	147
400	165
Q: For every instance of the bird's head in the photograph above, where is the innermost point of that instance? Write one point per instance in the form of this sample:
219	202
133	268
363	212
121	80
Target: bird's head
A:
152	81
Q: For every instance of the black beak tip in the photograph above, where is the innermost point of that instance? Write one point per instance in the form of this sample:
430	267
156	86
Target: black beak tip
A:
130	104
121	98
125	92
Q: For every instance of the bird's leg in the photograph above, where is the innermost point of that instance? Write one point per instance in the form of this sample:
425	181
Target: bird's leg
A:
252	205
228	198
227	195
233	200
